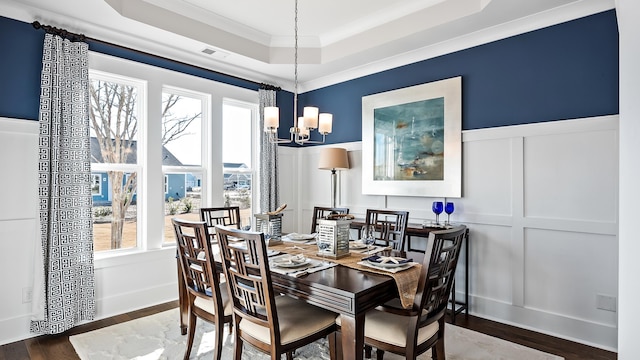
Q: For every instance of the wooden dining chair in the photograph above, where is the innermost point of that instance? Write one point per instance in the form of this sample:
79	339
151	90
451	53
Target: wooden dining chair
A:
322	212
274	324
391	226
226	215
411	332
207	298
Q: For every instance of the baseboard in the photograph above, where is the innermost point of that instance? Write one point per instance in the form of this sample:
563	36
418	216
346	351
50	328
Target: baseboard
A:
136	300
581	331
17	329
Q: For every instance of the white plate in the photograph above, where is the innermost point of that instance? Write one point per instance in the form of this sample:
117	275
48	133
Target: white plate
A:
301	237
389	265
285	263
357	245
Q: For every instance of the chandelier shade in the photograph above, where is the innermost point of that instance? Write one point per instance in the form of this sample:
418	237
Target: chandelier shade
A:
311	119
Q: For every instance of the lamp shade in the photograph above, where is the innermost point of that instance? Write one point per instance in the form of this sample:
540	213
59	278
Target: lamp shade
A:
333	158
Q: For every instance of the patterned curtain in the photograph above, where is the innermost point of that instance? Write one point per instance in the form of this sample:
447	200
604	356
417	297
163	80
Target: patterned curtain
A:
67	291
269	199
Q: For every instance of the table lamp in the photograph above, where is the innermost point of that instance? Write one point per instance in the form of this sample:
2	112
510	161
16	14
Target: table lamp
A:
333	159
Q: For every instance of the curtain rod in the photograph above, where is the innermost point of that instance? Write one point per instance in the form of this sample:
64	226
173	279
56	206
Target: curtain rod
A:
81	37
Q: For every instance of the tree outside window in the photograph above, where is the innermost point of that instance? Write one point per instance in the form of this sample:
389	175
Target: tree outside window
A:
115	117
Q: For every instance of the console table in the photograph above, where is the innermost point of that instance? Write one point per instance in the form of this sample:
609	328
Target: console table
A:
417	230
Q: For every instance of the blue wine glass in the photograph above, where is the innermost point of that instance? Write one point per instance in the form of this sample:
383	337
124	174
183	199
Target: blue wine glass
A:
437	208
448	208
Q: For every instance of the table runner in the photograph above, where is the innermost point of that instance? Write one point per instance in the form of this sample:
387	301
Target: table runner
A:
406	281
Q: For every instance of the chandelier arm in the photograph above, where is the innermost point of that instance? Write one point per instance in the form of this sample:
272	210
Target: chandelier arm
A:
276	140
305	140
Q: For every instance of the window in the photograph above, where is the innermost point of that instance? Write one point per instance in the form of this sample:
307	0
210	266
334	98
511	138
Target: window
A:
166	184
157	138
182	129
114	116
96	184
237	154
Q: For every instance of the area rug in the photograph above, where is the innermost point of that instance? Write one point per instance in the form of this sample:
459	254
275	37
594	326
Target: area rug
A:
158	337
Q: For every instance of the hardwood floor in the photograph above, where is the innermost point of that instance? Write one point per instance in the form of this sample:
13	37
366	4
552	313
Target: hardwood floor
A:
553	345
58	347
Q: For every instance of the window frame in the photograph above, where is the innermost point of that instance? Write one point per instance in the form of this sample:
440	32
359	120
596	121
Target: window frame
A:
255	138
99	183
202	169
138	168
151	212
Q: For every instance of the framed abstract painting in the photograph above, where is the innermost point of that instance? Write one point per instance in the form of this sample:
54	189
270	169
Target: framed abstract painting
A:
412	140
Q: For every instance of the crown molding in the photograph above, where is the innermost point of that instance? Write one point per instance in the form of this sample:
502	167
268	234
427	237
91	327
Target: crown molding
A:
541	20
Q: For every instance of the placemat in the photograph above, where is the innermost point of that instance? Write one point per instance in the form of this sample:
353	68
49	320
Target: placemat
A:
406	281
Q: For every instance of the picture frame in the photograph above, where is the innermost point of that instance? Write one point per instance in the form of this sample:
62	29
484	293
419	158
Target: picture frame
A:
412	140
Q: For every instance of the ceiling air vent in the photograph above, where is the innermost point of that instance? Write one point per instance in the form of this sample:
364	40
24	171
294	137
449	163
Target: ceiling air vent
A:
214	53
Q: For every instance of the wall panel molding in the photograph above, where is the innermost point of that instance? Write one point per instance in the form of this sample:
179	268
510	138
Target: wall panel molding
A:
511	252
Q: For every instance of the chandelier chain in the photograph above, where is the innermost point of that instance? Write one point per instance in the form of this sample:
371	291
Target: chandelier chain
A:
295	62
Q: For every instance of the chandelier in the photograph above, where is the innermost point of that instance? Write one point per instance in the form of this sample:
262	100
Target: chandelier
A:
310	120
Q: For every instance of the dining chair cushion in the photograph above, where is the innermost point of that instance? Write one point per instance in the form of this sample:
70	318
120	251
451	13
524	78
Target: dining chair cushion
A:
296	318
207	304
392	328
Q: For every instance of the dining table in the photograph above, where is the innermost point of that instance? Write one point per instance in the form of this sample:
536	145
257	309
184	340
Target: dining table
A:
349	290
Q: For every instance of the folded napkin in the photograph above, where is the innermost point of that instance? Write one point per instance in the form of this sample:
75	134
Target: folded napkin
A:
393	270
290	260
387	259
357	243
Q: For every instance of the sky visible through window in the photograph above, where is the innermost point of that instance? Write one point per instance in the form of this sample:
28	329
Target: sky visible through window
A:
236	135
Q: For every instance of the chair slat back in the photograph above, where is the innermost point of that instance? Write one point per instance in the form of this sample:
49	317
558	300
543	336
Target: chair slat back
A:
226	216
391	226
321	212
438	269
196	258
246	269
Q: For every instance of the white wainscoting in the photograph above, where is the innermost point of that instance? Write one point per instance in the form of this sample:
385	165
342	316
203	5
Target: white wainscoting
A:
123	283
541	203
18	226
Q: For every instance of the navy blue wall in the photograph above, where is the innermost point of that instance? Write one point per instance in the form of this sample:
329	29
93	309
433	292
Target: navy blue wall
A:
20	66
561	72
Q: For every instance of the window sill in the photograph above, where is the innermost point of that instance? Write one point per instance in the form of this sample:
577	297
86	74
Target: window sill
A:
110	259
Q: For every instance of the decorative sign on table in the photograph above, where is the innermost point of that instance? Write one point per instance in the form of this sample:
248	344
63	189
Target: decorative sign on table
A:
271	226
333	238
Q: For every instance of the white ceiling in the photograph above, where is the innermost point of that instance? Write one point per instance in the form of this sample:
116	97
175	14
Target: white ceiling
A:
338	39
